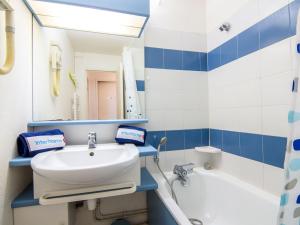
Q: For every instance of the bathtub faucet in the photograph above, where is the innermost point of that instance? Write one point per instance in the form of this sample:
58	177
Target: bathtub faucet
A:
182	171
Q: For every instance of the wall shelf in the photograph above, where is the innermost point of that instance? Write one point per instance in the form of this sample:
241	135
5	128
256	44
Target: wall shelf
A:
83	122
25	198
209	150
19	161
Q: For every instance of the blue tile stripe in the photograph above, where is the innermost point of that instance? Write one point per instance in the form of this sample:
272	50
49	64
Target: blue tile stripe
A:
140	85
262	148
179	139
270	30
160	58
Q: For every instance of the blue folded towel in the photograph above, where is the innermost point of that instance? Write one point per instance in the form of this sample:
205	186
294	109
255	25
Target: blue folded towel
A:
131	134
32	143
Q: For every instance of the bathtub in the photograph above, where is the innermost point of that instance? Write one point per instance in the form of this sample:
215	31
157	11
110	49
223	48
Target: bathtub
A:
217	198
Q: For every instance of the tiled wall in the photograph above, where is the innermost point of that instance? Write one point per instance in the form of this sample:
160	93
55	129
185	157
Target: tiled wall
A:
180	139
249	77
262	148
176	92
175	86
172	59
270	30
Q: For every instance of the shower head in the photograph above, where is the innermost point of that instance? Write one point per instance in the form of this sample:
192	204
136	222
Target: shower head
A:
163	141
225	27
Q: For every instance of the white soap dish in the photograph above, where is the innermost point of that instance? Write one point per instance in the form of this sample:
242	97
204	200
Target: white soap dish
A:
208	149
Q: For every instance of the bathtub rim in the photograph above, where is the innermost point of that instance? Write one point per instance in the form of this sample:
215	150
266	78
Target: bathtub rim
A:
178	214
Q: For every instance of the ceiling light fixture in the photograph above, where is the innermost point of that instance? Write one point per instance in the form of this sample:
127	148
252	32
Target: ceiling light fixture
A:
118	17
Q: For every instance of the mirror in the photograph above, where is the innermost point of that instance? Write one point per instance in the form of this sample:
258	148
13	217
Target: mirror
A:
86	76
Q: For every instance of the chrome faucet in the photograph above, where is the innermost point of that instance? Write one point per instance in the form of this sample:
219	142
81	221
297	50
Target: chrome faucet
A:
182	171
92	140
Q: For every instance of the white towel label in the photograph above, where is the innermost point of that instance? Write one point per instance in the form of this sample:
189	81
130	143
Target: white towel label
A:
136	135
45	142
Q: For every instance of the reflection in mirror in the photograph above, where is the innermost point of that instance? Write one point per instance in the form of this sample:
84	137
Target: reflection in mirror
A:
86	76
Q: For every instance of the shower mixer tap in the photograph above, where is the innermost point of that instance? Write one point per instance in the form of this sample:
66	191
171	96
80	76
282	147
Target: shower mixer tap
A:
182	171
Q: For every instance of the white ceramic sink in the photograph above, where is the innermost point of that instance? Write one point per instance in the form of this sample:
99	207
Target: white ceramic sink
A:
79	165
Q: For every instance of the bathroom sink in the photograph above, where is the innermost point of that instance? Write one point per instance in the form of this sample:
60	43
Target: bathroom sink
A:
78	165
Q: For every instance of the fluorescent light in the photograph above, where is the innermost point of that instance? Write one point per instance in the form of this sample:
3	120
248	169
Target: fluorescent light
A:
66	16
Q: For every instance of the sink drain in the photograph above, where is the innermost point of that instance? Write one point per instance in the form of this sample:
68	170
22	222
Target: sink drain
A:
195	221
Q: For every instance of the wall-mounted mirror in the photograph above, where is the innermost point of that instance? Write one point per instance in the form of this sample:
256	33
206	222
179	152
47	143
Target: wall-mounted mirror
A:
86	76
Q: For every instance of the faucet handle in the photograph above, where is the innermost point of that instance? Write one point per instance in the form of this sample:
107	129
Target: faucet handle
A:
177	169
92	136
92	133
189	167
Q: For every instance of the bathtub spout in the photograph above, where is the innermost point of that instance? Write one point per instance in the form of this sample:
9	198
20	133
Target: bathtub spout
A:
184	181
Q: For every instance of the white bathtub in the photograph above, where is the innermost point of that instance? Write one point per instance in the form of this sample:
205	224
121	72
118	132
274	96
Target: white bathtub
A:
217	198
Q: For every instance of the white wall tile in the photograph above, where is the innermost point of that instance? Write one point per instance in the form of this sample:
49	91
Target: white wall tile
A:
267	7
247	170
229	164
194	42
276	58
178	15
194	80
162	79
174	119
171	39
156	100
162	38
249	119
252	172
274	120
157	120
195	119
276	90
228	118
192	156
252	94
244	17
273	179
